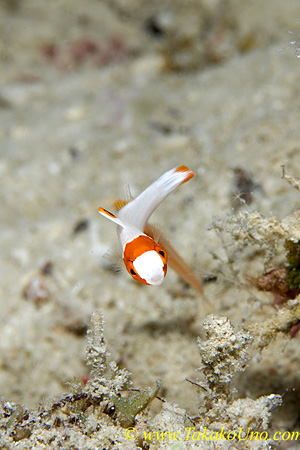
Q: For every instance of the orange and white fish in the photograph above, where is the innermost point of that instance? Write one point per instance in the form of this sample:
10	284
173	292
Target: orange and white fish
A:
144	258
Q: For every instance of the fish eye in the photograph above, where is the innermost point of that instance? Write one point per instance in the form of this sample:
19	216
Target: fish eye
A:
162	253
132	272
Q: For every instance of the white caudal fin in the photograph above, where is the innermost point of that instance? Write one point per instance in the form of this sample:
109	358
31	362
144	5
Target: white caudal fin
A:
137	212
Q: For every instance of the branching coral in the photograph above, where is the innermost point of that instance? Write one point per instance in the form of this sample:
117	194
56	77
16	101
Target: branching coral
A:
250	228
97	406
95	416
107	388
96	358
281	322
268	237
223	354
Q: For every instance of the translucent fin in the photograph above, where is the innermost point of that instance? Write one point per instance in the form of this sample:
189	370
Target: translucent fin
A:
114	259
175	261
118	204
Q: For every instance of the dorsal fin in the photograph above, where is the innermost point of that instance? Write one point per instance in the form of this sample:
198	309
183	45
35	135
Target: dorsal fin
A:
118	204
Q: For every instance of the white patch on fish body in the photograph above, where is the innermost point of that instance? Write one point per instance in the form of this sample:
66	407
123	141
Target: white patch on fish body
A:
150	266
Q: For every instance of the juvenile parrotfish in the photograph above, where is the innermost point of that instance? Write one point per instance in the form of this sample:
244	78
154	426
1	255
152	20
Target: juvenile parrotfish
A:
145	251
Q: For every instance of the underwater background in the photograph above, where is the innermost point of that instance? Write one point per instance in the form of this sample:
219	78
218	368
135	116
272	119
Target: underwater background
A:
99	97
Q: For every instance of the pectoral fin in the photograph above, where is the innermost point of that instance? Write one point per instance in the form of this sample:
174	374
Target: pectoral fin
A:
174	259
110	216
